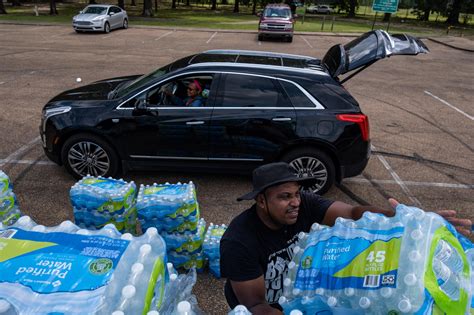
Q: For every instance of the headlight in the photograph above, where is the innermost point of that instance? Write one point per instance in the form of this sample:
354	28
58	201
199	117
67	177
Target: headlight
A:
288	26
263	25
47	113
99	18
50	112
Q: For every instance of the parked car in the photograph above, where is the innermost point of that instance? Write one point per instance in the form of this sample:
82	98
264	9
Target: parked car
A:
276	21
322	9
258	107
100	18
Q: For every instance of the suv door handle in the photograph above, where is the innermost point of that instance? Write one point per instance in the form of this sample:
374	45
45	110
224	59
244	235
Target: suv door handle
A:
200	122
281	119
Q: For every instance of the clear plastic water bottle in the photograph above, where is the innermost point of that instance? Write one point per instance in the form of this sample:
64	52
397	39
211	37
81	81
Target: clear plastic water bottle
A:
240	310
447	280
449	256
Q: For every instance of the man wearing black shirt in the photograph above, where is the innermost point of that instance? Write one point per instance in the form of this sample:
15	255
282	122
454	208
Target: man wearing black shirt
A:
258	244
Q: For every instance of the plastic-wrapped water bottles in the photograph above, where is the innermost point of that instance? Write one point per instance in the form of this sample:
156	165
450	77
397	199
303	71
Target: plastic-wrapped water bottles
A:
68	270
178	289
166	200
186	243
9	210
211	247
98	201
410	263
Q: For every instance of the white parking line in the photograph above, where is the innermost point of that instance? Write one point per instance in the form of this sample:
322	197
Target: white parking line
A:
453	107
28	162
306	42
408	183
164	35
15	154
2	83
259	43
209	40
398	179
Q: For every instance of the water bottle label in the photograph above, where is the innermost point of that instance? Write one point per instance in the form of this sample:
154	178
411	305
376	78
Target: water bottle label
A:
166	190
337	263
58	262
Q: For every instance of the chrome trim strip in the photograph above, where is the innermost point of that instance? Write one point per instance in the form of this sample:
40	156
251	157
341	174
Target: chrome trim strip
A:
159	157
318	105
234	159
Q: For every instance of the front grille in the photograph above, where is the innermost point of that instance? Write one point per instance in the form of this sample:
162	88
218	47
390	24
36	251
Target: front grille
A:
276	26
83	23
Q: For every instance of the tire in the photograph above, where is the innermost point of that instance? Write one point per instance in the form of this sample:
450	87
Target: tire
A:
84	154
125	24
313	162
289	39
260	38
106	27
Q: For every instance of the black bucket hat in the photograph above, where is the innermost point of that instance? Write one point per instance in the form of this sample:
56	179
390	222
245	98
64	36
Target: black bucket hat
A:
273	174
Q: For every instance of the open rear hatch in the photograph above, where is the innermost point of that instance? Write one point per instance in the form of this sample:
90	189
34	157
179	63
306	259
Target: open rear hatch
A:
367	49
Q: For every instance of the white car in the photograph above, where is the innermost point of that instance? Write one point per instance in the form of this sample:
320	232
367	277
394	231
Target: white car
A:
100	18
322	9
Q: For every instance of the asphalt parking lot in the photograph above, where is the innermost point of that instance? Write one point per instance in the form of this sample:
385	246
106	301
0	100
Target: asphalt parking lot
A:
420	109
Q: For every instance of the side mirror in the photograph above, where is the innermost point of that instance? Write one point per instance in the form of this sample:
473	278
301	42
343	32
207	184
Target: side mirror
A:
80	12
259	14
112	13
295	16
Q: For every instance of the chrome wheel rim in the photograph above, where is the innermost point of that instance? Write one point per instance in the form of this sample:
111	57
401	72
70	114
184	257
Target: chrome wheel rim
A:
308	166
88	158
125	24
107	28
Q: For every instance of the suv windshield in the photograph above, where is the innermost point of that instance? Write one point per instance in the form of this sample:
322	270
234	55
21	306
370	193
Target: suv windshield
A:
277	12
124	89
95	10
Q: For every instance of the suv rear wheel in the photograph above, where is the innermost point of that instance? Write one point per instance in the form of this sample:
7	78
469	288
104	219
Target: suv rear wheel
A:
85	154
314	163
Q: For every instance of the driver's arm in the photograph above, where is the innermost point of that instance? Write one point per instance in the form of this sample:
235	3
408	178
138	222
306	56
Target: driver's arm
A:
251	293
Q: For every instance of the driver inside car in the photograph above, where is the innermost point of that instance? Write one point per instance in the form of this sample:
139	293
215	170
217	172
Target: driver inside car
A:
193	92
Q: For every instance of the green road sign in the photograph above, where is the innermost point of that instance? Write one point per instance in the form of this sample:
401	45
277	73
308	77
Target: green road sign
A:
387	6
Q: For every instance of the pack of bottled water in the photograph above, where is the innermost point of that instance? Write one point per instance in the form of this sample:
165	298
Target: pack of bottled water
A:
159	202
98	201
178	224
186	243
9	210
68	270
188	261
412	263
211	247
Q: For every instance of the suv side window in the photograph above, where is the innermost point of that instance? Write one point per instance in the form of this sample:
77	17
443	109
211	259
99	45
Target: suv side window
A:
297	97
239	90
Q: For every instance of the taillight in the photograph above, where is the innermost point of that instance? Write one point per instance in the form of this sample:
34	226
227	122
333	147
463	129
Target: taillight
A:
360	119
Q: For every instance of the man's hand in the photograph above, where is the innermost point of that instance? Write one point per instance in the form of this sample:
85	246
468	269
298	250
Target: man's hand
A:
463	226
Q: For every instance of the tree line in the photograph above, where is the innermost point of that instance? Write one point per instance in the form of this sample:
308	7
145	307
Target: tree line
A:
422	8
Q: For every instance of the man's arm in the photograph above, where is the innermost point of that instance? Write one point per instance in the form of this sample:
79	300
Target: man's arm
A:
251	293
344	210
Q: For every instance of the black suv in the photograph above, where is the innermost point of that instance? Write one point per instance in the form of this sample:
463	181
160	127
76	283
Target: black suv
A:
257	107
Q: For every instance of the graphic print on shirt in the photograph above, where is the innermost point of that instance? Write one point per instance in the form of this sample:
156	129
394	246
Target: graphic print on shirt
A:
277	268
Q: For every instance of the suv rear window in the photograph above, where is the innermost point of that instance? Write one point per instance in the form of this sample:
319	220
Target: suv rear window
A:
332	96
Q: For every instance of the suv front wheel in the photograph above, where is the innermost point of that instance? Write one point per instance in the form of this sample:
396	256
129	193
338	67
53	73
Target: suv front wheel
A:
313	163
85	154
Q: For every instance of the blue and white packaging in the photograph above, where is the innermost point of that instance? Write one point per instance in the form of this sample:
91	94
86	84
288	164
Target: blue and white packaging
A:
412	263
67	270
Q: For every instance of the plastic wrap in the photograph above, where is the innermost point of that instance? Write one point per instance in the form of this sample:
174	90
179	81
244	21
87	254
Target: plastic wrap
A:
412	263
